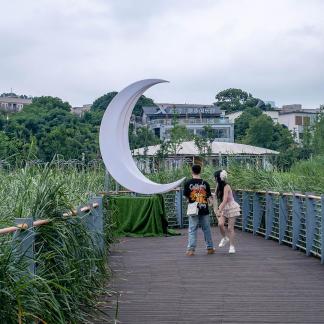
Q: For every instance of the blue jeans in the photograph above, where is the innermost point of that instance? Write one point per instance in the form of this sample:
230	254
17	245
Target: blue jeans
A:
194	222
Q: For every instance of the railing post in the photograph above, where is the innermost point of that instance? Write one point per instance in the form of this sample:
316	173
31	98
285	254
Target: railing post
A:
256	213
322	229
310	223
245	210
24	240
106	184
269	214
283	216
296	220
178	205
94	223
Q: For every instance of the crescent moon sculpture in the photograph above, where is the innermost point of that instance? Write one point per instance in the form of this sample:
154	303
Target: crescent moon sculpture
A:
114	142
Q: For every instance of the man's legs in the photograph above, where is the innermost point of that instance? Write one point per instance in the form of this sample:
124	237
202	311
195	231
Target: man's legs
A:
205	226
192	232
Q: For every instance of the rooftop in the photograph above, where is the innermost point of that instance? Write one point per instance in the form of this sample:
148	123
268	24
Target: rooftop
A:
189	148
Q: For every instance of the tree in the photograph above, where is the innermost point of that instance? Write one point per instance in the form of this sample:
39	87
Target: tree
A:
318	137
242	123
142	102
204	142
102	103
260	132
265	133
178	134
142	137
232	100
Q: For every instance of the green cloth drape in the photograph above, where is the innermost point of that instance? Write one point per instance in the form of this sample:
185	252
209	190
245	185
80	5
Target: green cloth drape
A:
140	216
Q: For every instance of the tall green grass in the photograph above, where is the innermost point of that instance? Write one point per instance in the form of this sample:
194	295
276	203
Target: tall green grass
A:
71	270
304	176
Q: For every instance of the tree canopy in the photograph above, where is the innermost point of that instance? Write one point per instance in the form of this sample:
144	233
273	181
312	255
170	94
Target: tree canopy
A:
233	99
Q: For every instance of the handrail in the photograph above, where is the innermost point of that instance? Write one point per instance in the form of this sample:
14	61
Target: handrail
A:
277	193
291	194
42	222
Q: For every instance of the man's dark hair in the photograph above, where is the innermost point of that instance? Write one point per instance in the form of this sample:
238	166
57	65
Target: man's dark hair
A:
196	169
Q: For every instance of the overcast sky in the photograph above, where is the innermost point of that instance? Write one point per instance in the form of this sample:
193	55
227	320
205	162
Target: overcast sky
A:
80	49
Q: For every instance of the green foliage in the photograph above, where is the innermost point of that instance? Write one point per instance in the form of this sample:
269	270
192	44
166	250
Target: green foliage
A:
178	134
70	270
232	100
242	123
255	128
318	135
142	137
102	102
260	132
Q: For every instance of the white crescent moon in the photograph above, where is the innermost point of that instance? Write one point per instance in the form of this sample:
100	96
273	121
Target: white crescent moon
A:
114	143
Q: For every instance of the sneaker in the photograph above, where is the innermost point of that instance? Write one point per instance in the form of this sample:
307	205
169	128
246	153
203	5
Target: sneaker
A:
231	249
223	241
190	253
211	251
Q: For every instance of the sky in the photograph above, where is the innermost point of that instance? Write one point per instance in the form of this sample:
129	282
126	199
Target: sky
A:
80	49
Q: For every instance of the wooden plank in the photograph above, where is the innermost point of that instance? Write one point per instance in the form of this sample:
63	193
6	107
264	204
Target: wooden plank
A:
262	283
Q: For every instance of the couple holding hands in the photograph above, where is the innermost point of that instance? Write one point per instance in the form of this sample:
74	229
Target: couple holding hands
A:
199	196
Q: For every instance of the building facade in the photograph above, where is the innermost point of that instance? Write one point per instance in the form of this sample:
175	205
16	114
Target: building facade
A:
297	119
160	119
13	103
294	117
273	114
80	111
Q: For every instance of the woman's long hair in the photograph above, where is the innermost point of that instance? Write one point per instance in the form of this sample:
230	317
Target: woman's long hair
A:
220	185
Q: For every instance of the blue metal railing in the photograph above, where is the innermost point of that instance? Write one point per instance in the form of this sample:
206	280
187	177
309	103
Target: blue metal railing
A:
289	218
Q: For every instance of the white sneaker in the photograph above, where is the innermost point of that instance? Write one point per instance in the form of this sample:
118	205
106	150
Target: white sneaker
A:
223	241
231	249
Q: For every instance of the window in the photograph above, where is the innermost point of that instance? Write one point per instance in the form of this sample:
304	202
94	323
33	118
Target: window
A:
298	120
306	120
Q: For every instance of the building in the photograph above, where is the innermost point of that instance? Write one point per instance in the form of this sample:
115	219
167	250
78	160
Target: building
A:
79	111
221	154
296	119
13	103
273	114
160	119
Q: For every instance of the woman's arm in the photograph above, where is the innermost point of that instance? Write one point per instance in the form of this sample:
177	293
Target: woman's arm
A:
227	188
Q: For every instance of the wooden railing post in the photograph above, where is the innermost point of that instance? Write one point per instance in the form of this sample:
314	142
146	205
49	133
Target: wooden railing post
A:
23	240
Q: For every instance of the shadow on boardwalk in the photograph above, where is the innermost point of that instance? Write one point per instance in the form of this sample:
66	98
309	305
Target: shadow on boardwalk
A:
262	283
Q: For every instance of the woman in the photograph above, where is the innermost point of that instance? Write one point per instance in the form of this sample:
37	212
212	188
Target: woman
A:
228	208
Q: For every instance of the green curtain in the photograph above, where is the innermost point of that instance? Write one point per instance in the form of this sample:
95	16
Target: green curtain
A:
140	216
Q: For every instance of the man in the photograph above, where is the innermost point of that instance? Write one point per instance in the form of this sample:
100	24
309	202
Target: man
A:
198	190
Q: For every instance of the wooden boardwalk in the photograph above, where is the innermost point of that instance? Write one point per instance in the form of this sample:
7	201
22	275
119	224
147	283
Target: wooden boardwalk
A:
262	283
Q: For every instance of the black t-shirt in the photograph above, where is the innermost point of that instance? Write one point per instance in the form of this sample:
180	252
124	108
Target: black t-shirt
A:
198	190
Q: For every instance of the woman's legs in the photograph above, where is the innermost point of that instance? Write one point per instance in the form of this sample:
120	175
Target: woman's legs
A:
230	229
221	225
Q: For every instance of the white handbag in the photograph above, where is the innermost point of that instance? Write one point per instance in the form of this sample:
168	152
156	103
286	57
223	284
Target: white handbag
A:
192	209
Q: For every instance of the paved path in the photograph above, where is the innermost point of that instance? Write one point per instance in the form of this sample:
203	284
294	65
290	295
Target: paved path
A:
262	283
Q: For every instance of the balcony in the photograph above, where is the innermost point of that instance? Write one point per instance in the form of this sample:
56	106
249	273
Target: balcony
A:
190	121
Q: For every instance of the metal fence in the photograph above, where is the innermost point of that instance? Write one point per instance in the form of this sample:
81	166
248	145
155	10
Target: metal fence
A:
289	218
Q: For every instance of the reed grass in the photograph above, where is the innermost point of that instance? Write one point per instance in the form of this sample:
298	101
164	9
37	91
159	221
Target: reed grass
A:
71	270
